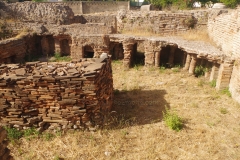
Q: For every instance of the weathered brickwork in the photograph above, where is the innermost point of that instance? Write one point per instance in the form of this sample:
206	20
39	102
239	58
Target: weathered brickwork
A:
39	12
73	95
160	22
223	28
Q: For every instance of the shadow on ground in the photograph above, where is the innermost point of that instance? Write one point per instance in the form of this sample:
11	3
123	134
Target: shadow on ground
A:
138	107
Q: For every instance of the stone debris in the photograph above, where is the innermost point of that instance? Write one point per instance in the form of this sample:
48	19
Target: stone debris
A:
73	95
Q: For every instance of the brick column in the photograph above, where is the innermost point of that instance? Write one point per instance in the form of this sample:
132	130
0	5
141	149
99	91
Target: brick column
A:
192	64
149	53
157	58
187	62
128	50
224	75
171	56
57	45
214	72
207	73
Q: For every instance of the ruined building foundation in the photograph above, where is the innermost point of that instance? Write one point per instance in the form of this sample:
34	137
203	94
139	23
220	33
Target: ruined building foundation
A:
79	93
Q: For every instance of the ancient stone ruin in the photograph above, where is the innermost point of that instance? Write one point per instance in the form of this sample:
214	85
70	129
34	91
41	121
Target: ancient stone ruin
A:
74	95
79	93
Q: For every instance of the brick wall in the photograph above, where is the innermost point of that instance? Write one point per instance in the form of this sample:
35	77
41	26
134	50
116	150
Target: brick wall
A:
159	22
71	95
12	50
223	28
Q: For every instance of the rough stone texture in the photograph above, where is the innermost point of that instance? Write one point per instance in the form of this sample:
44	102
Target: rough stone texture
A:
160	22
40	12
93	7
4	151
73	95
11	50
107	20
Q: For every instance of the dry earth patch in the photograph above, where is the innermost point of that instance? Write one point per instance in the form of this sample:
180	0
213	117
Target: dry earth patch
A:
211	122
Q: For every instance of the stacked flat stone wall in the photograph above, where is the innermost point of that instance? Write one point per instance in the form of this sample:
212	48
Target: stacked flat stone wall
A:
4	151
159	22
70	95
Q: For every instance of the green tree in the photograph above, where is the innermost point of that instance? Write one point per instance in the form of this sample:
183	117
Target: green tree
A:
230	3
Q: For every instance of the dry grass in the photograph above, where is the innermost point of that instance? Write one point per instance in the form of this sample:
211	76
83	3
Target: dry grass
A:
140	133
199	34
140	31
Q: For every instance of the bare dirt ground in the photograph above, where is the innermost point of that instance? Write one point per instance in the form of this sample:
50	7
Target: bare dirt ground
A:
211	122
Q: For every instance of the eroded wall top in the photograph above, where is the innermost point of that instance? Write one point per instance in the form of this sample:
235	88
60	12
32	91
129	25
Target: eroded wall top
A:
55	13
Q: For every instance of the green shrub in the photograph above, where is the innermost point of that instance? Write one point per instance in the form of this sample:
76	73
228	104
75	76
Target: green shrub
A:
30	133
213	83
13	134
48	136
227	92
223	110
199	71
230	3
59	58
172	120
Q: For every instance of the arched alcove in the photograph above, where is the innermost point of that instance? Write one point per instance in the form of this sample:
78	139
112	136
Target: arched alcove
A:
88	52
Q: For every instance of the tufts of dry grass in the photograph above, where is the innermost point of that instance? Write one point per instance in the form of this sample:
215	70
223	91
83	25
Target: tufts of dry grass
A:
197	34
139	31
200	34
137	130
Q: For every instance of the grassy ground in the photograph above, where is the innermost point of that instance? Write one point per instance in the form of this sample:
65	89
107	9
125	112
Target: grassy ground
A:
211	122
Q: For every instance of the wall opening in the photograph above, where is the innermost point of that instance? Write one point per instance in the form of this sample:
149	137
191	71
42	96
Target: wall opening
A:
65	47
88	52
203	68
116	50
171	56
138	57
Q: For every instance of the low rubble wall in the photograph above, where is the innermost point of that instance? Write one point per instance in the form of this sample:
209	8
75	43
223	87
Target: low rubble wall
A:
68	95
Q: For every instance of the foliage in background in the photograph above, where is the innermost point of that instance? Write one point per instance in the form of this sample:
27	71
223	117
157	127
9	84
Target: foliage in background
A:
230	3
59	58
183	4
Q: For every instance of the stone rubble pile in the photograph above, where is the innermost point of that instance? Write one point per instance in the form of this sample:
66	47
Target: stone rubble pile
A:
71	95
